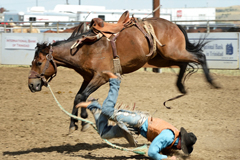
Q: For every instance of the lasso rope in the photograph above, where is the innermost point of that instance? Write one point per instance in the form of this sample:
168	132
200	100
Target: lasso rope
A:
153	11
139	150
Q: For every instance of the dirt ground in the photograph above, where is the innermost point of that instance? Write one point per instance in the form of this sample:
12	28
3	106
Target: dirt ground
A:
33	127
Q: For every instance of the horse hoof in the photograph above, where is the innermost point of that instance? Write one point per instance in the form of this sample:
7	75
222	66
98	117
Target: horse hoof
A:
72	129
216	86
85	127
183	91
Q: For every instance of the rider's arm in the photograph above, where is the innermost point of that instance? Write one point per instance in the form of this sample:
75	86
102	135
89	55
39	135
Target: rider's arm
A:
164	139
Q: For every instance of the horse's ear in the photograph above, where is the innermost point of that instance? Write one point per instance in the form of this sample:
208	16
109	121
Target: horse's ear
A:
44	44
38	46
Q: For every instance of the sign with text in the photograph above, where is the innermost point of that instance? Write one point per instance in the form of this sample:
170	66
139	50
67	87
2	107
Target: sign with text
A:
54	39
179	13
221	51
20	42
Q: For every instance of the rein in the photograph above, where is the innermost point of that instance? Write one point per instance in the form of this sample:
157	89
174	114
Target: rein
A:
35	75
139	150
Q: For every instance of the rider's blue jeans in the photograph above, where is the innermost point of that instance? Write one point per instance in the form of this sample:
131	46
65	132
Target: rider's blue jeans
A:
109	112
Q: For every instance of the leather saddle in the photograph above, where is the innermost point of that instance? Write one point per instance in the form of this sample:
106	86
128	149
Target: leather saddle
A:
108	29
112	30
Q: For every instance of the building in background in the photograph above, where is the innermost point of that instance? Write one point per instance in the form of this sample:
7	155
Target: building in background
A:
38	14
190	14
86	13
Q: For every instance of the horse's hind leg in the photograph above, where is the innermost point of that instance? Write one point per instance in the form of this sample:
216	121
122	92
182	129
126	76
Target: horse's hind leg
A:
195	57
180	85
203	62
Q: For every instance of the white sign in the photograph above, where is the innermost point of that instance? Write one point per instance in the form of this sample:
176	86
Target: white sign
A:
19	42
54	39
221	51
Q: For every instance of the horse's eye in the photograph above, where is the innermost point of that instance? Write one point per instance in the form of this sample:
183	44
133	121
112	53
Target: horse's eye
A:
39	63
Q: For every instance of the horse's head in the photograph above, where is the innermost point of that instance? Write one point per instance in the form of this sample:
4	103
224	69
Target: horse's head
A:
43	68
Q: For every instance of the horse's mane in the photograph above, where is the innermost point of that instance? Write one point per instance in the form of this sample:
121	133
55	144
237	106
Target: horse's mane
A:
77	33
78	30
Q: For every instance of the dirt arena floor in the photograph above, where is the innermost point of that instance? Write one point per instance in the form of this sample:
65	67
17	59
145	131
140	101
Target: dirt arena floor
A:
33	127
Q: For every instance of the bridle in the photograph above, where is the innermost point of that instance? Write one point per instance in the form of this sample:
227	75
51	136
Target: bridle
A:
34	75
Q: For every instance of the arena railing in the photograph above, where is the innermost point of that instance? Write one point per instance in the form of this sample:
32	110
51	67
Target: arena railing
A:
5	27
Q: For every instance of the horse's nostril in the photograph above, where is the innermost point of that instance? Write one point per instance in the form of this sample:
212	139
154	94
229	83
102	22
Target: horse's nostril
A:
37	87
30	86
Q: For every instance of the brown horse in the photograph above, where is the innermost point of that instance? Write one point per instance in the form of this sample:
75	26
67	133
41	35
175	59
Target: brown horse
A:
91	58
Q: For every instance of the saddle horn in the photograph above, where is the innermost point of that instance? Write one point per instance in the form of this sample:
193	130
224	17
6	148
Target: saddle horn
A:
87	39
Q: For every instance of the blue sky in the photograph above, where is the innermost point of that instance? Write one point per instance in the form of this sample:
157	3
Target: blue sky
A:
22	5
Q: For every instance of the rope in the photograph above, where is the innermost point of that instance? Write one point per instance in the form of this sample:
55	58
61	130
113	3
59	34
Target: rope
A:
139	150
153	11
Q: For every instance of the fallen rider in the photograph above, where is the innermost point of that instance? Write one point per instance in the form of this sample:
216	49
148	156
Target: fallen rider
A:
161	134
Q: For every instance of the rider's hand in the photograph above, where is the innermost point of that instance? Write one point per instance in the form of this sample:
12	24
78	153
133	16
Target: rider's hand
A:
172	158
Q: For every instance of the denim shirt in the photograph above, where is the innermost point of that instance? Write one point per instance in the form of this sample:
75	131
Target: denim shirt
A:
164	139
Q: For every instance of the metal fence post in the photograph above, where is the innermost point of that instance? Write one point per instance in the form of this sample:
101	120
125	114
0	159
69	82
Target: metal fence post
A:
5	30
30	27
84	27
208	29
57	27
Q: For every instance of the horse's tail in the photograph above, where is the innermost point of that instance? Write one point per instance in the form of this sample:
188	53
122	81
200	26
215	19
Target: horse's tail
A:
193	47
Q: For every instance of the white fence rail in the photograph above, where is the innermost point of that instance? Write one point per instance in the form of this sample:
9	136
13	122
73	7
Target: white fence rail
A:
5	27
18	48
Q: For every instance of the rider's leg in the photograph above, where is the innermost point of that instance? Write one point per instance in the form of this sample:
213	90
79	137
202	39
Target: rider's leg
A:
132	119
108	104
104	129
107	131
110	101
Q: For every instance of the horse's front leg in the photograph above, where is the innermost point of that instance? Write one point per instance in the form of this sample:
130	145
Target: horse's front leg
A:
79	97
86	89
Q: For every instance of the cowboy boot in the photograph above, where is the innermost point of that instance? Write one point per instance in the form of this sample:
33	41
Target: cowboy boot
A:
95	110
126	134
118	131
